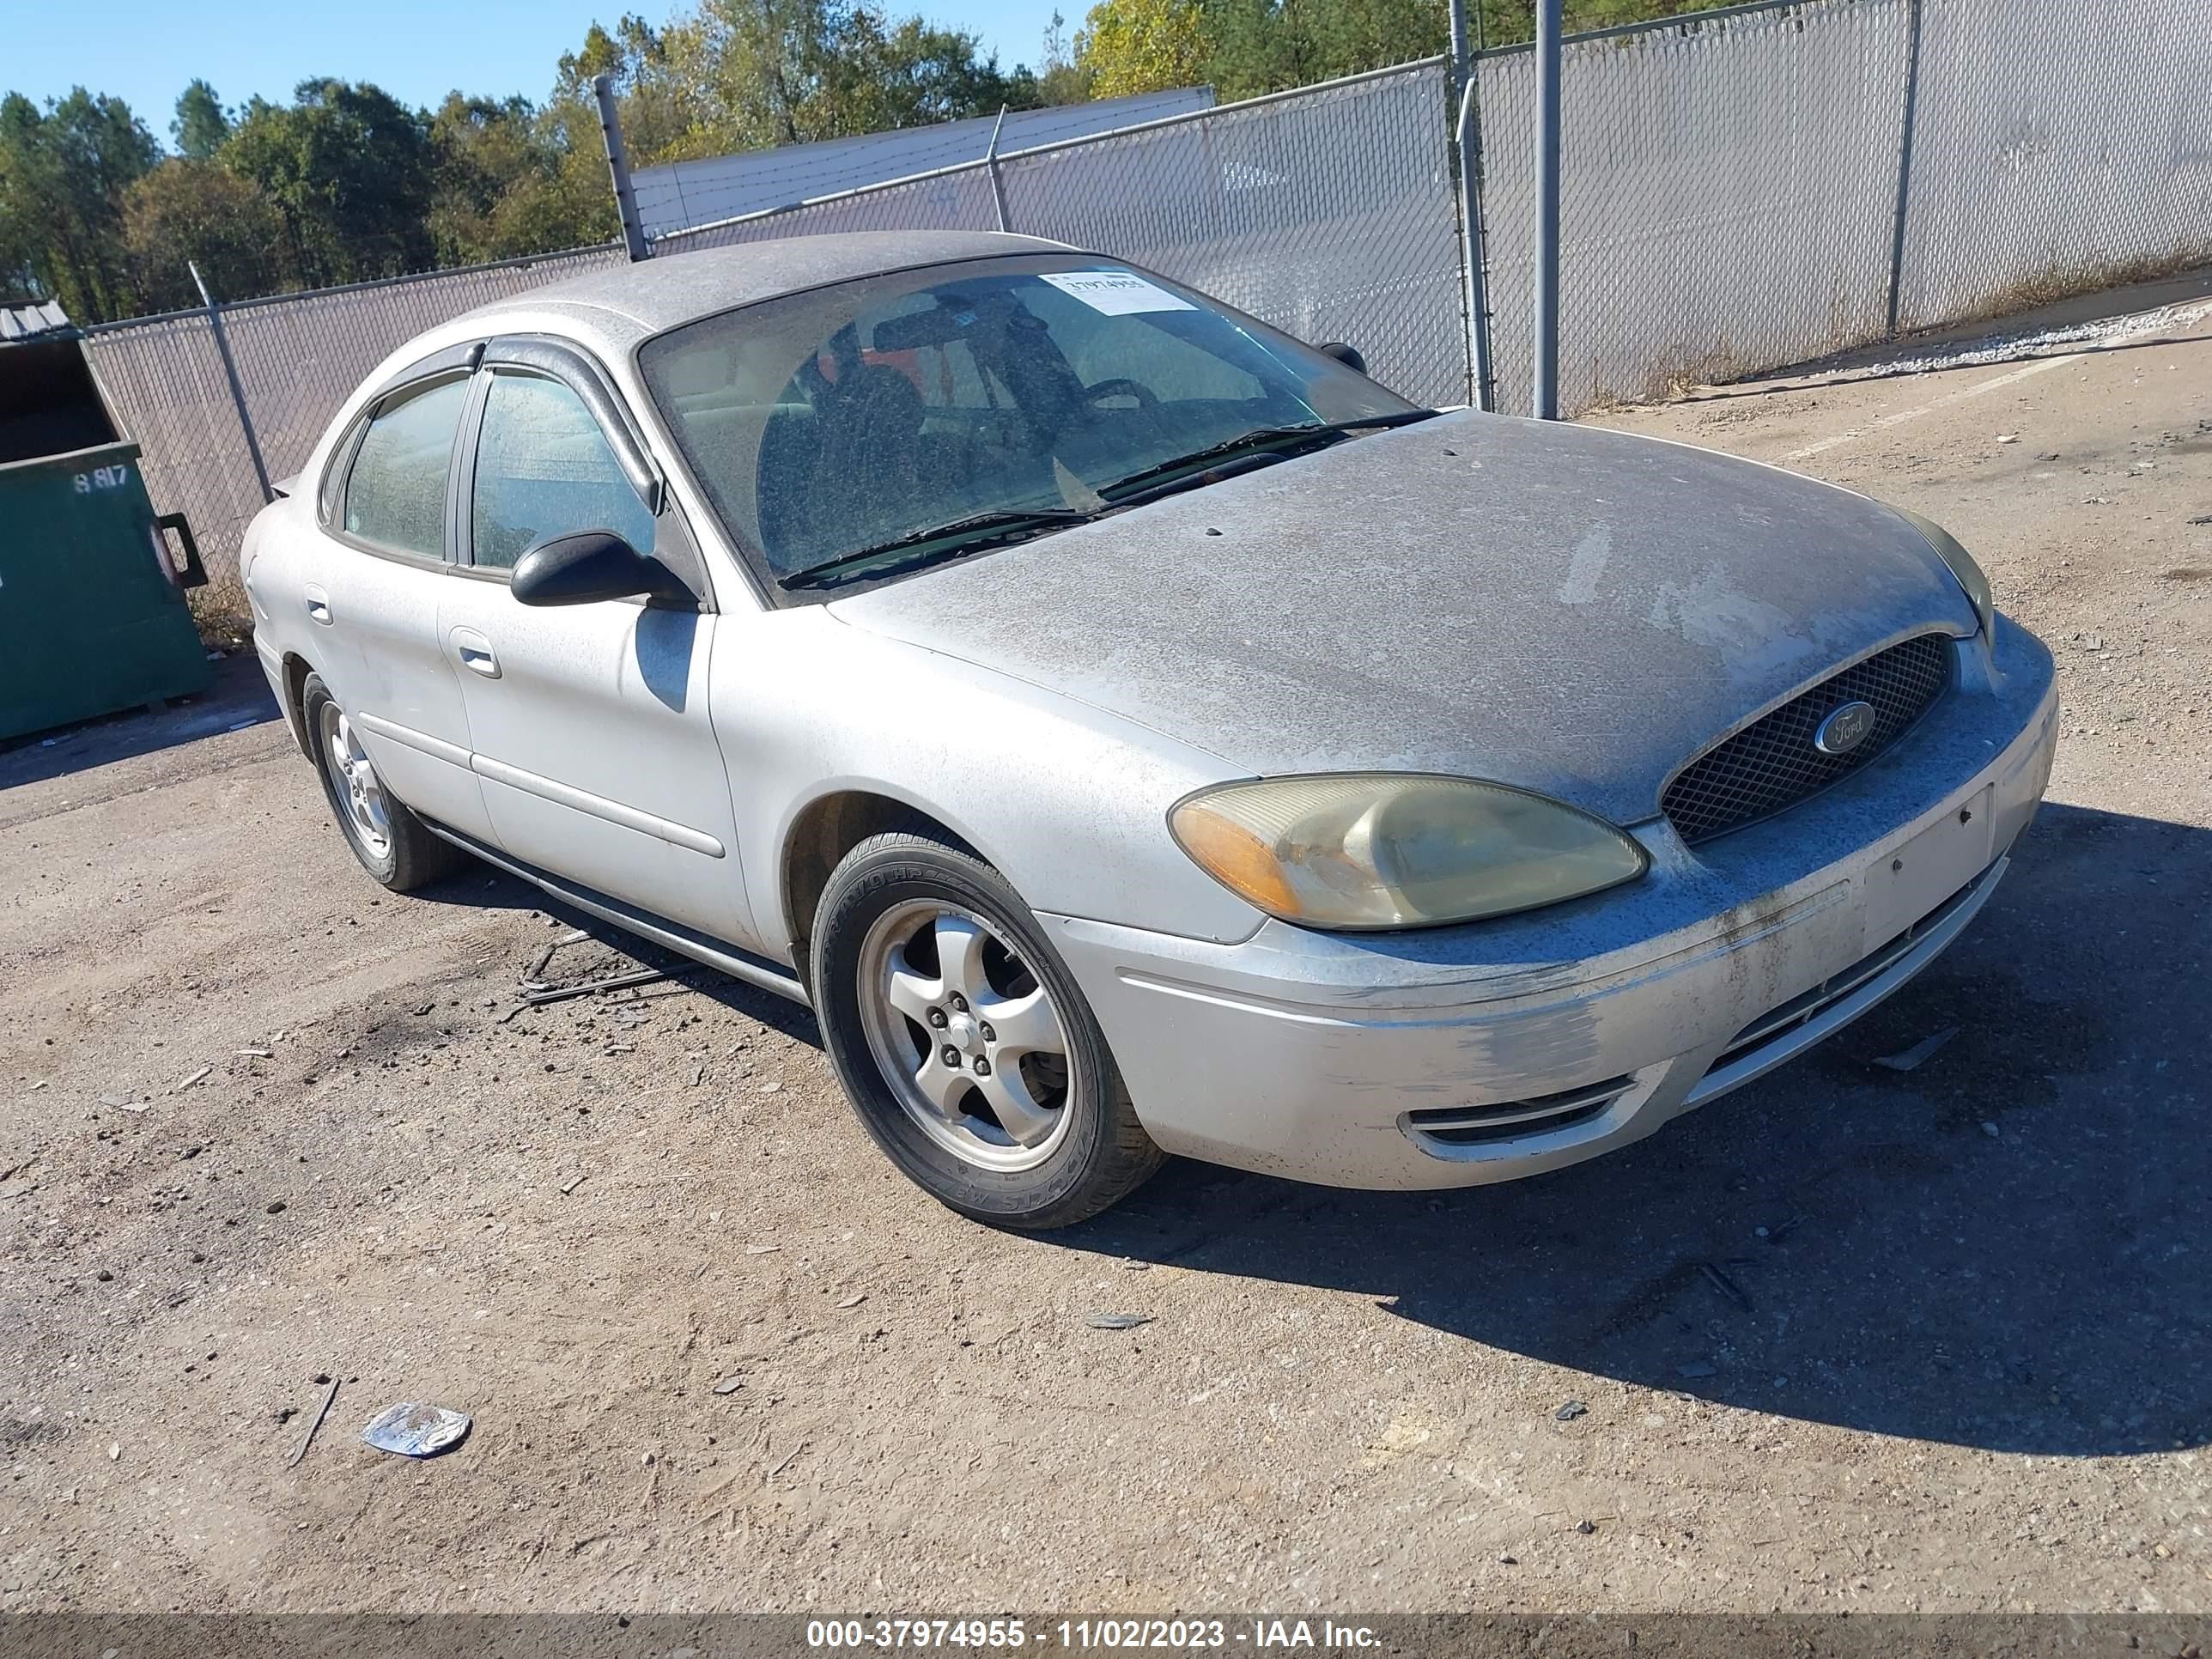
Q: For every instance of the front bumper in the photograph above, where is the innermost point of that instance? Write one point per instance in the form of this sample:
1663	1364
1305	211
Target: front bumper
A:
1453	1056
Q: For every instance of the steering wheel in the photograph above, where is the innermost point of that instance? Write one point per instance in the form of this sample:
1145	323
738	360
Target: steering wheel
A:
1145	396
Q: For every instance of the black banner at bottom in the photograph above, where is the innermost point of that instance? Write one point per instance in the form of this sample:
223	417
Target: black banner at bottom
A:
771	1636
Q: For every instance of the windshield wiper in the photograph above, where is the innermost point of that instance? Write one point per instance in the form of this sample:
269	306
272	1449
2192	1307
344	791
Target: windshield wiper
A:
1259	438
963	535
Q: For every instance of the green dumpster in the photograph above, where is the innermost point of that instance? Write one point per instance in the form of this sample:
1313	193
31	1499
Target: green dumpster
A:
92	608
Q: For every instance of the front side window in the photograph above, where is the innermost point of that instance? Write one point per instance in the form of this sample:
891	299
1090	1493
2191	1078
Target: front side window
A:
544	469
829	423
395	492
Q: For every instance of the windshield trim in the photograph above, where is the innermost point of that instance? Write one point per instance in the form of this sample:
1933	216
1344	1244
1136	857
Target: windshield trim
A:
760	572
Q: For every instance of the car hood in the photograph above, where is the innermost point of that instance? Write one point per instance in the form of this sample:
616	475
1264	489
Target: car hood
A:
1567	608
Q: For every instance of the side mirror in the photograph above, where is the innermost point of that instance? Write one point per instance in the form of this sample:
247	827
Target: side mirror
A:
587	566
1347	354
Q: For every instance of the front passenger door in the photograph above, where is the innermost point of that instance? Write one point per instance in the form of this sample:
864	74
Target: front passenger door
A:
589	722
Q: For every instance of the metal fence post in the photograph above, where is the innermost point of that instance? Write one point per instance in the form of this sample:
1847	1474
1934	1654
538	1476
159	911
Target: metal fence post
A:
633	229
991	166
1905	164
1466	160
1481	382
230	374
1550	24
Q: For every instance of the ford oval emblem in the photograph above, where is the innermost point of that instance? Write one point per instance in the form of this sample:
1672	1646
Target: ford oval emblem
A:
1844	729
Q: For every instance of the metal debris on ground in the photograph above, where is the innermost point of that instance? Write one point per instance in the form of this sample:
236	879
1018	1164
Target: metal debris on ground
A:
1119	1322
853	1301
307	1439
763	1249
1920	1053
204	1071
413	1430
730	1384
255	1053
575	936
1727	1286
612	982
571	1184
1571	1410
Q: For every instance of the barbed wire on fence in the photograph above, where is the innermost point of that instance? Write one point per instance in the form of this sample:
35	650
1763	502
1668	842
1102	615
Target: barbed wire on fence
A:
1743	189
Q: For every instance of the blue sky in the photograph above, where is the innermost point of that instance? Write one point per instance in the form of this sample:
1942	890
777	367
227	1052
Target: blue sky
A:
145	50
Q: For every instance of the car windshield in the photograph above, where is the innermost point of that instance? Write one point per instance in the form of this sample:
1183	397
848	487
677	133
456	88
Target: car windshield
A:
848	431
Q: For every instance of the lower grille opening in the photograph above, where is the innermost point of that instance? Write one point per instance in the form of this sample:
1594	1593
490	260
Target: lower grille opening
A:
1504	1120
1778	1023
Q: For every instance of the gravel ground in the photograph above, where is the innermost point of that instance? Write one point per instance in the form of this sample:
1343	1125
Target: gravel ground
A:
1851	1339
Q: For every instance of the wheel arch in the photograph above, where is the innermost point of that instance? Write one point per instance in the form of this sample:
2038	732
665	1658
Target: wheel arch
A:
829	826
295	669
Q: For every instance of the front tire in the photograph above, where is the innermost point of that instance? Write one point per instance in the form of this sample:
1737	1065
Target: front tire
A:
392	843
963	1043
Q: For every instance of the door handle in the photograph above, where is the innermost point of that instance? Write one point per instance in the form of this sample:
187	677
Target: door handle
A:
476	652
318	604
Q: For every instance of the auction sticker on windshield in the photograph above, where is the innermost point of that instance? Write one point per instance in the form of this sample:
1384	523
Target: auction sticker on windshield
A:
1116	293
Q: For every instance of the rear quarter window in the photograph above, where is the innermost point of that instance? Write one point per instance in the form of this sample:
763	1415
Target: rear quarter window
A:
395	491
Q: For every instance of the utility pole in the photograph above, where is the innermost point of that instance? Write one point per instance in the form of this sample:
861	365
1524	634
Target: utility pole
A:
603	88
1550	24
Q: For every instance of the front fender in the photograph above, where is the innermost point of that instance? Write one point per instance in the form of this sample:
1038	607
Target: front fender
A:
1067	802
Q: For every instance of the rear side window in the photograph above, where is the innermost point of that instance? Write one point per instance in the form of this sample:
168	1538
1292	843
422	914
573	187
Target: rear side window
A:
395	495
544	469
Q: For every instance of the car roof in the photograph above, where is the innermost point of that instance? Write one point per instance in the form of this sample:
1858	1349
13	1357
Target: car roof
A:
662	292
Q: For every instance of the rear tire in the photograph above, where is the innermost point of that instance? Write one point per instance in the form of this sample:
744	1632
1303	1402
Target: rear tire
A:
392	843
963	1043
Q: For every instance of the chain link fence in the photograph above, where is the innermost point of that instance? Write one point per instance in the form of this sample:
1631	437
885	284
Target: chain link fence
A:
1727	194
1743	189
2056	148
1329	212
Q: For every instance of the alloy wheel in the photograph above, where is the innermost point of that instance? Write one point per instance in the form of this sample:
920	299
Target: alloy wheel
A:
355	780
965	1035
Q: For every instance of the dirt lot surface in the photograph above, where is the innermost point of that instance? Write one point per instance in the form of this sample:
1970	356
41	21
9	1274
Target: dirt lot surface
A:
1852	1338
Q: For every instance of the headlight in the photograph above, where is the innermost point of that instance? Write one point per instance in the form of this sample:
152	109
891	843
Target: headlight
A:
1969	575
1370	850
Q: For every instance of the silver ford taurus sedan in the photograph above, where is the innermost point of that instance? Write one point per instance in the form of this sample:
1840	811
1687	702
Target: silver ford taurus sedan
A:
1134	731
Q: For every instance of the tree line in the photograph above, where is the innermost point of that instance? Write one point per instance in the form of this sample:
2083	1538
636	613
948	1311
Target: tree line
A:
344	183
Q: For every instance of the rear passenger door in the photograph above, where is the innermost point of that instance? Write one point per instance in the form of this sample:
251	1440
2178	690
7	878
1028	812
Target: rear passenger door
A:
589	722
372	593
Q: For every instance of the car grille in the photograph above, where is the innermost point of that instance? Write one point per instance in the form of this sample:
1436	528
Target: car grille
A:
1772	763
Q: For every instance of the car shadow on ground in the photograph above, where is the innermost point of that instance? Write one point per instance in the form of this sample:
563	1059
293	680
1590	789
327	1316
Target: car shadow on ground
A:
2001	1249
479	886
